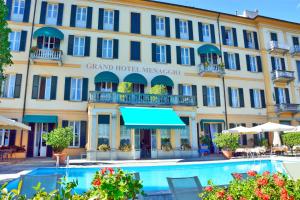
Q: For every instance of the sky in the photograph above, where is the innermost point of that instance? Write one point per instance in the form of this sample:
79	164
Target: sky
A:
281	9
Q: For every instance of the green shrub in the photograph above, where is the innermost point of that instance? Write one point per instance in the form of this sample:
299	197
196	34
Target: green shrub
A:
205	140
59	139
104	147
125	147
125	87
159	90
227	141
291	139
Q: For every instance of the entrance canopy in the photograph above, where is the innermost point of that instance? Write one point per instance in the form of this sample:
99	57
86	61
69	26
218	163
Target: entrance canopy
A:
151	118
107	77
6	123
208	48
49	32
40	119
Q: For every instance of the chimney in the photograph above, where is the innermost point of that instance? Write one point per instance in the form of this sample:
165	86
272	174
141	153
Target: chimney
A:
250	14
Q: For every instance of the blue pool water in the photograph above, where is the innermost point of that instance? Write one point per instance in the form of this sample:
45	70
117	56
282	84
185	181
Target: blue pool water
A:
154	177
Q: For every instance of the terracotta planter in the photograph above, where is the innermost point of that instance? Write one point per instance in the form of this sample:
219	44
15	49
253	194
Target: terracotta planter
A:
227	154
62	157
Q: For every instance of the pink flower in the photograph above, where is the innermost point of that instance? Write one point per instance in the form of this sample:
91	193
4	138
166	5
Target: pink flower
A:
103	171
220	194
229	198
111	170
266	173
279	182
262	181
97	182
266	197
237	176
208	188
251	173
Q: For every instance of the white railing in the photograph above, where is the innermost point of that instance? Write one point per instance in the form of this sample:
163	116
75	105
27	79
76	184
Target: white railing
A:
279	74
47	54
212	68
277	45
295	49
287	107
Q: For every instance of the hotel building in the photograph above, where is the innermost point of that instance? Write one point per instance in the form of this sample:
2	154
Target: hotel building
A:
219	71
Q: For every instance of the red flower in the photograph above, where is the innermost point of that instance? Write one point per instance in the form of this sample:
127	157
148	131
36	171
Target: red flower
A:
279	182
111	170
259	193
284	194
97	182
237	176
208	188
103	171
266	197
229	198
243	198
251	173
275	176
220	194
266	173
262	181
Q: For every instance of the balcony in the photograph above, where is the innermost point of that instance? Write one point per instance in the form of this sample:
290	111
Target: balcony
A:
287	108
276	47
141	99
282	76
46	54
211	70
295	50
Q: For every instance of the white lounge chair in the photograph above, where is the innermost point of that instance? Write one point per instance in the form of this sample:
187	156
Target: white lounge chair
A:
49	183
292	169
187	188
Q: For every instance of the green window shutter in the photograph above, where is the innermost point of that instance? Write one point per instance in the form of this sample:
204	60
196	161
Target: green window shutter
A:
100	19
116	20
204	94
180	89
89	19
287	95
248	63
223	35
235	41
99	47
53	87
83	130
85	88
135	23
230	96
241	95
200	31
23	41
35	87
60	14
73	15
263	99
190	27
67	88
237	61
178	54
245	39
135	51
168	50
153	25
283	64
116	49
276	95
153	52
70	45
43	12
226	60
255	40
65	123
9	8
26	11
218	99
87	46
251	98
18	84
177	28
212	33
168	34
273	63
194	93
259	64
192	56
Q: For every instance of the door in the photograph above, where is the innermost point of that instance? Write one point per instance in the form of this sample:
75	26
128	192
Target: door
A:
145	142
40	147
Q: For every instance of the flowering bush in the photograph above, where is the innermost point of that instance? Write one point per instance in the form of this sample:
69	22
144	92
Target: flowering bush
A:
255	187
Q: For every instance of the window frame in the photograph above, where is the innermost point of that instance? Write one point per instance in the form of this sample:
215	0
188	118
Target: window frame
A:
183	29
185	56
187	90
79	46
211	96
160	26
78	89
253	63
257	98
107	50
73	124
161	53
18	10
232	61
108	20
15	41
52	14
3	132
206	32
282	96
81	16
235	98
8	86
229	36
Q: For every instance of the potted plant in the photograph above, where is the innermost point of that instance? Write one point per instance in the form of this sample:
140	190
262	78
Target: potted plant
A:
104	147
59	139
33	49
166	147
125	148
228	142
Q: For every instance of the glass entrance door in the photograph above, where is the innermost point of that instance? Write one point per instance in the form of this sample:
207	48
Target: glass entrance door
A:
145	143
40	147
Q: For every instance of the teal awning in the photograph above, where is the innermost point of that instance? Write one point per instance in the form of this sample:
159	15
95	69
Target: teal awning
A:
162	80
151	118
40	119
106	77
208	48
136	78
49	32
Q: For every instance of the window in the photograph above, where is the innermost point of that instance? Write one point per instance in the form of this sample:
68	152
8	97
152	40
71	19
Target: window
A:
281	95
44	88
107	48
211	96
76	133
81	17
52	13
8	86
185	135
79	44
235	97
18	10
229	37
4	137
108	20
14	40
106	87
231	61
161	53
253	64
257	98
250	40
206	33
160	26
76	89
185	56
124	136
137	88
48	42
165	136
103	134
183	27
187	90
277	63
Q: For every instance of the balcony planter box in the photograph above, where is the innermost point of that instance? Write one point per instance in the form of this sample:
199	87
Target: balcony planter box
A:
121	155
165	154
103	155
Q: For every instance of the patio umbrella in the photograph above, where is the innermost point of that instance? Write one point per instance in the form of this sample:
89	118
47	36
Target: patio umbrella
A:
6	123
296	129
240	129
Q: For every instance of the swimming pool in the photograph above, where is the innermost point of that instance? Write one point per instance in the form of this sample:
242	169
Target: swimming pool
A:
154	177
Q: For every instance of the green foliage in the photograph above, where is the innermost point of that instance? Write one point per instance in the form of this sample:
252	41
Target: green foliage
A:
59	139
158	89
291	139
125	87
255	187
227	141
125	147
263	142
104	147
5	55
205	140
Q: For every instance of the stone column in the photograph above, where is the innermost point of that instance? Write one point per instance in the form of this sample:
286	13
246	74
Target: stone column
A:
92	138
177	143
194	143
113	136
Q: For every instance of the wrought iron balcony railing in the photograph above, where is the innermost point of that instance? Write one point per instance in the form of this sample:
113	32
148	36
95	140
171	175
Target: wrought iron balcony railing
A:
295	50
277	47
283	76
141	99
211	69
287	107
